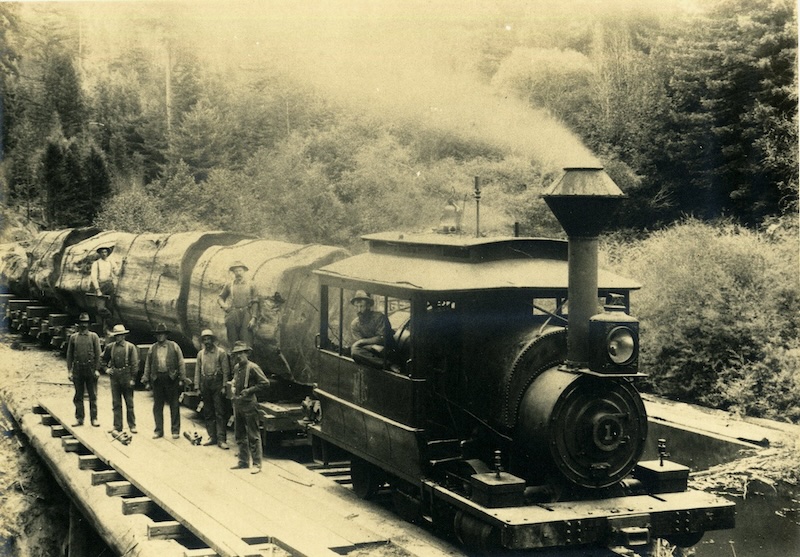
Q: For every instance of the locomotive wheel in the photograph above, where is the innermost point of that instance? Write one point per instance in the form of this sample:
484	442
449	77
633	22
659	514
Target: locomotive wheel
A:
474	533
685	540
367	478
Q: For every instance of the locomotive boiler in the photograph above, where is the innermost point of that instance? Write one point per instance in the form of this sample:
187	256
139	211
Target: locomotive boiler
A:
503	409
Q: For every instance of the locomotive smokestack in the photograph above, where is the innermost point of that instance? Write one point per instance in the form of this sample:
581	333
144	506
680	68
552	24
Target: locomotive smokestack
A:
582	200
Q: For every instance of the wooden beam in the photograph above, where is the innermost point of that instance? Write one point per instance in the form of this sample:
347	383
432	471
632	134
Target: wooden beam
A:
71	445
138	505
168	530
47	419
121	488
89	462
58	431
104	476
205	552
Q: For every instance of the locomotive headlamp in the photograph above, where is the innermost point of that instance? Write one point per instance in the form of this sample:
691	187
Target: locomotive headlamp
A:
614	342
621	345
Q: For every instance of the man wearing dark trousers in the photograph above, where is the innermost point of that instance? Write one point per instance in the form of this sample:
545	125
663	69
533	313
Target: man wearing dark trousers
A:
211	373
240	301
104	275
122	362
83	361
248	381
165	373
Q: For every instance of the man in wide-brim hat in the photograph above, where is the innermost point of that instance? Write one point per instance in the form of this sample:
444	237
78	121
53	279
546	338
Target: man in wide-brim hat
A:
122	362
211	372
370	329
83	364
239	299
165	373
248	380
104	274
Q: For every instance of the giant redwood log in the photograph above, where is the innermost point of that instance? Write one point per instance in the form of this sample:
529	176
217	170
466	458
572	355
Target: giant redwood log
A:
289	299
176	279
14	268
45	255
154	273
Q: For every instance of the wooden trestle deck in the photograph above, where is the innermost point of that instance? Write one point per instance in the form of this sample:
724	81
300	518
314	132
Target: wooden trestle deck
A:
165	497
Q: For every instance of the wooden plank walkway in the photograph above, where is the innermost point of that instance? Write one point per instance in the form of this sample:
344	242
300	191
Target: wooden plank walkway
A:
286	505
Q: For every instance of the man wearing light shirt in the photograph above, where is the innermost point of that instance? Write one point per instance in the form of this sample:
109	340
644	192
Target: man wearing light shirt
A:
104	278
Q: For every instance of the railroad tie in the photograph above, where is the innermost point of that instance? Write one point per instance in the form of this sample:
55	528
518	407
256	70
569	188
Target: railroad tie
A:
100	477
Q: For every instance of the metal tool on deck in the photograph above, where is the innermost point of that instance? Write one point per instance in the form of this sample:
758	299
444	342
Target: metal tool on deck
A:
122	436
193	437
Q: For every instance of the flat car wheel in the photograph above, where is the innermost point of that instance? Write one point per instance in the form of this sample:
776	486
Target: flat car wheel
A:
366	478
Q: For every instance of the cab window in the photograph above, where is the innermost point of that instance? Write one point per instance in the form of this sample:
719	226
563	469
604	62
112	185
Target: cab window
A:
365	326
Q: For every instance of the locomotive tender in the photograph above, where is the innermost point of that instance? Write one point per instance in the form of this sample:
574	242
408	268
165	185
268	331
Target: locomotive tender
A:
505	411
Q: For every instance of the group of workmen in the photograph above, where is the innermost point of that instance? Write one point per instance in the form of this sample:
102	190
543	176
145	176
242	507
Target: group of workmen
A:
218	376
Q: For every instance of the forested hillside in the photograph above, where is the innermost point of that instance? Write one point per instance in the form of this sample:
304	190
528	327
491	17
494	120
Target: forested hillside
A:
322	121
322	125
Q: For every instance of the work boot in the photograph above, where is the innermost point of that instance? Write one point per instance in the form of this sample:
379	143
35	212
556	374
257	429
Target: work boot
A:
223	445
95	423
210	442
78	423
256	470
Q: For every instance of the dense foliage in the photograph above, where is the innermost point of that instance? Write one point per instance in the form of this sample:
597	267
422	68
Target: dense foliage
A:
692	112
720	315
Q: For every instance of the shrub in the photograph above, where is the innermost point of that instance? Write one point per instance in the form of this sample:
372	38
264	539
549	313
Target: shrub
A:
719	313
135	211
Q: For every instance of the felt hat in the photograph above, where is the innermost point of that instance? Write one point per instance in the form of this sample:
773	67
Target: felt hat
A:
83	318
161	328
207	333
119	330
240	346
362	295
238	263
107	248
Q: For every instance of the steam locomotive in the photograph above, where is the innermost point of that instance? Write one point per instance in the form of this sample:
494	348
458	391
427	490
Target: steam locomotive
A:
502	409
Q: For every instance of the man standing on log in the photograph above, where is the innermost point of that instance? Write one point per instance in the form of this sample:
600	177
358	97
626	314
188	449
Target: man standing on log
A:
122	362
211	373
83	361
239	300
104	279
248	381
165	373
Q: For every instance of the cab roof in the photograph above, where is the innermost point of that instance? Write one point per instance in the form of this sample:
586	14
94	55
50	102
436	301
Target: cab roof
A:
447	263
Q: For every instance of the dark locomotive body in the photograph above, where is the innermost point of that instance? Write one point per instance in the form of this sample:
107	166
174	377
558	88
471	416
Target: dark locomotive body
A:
474	415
